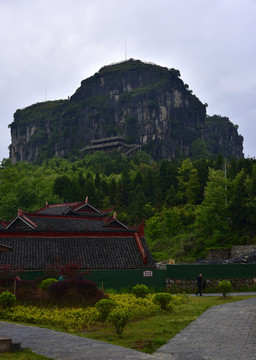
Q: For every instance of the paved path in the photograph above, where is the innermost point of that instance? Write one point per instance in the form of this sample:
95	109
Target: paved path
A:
224	332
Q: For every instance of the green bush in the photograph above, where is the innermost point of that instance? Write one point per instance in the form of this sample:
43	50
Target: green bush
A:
179	299
163	299
104	306
140	290
119	318
46	283
7	299
225	287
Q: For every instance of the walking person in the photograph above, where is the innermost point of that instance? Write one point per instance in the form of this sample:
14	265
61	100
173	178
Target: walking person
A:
199	284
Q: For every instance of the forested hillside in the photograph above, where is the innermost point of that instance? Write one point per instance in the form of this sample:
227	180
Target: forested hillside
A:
187	206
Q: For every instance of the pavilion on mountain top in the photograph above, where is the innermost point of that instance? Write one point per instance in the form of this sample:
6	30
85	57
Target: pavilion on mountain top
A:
73	232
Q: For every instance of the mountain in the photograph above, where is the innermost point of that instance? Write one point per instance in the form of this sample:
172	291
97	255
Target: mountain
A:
129	106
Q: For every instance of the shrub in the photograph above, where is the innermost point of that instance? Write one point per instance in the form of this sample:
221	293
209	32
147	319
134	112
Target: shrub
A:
46	283
140	290
7	299
111	291
138	307
26	284
119	318
74	292
163	299
225	287
58	289
104	306
179	299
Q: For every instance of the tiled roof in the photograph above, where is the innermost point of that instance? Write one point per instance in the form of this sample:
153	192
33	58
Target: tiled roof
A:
56	209
58	223
2	225
73	232
79	208
38	253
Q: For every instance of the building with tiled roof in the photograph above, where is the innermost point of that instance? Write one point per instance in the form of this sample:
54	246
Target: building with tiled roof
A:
73	232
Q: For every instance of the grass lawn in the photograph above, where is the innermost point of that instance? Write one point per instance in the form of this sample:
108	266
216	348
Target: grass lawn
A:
149	334
22	355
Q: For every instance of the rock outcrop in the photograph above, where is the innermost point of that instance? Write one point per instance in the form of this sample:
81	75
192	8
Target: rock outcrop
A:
146	105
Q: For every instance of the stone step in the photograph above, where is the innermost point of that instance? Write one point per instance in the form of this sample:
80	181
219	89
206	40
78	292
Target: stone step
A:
5	344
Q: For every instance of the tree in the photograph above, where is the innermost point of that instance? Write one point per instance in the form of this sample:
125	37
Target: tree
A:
123	188
199	150
212	222
137	204
250	185
188	183
61	185
238	204
149	182
154	229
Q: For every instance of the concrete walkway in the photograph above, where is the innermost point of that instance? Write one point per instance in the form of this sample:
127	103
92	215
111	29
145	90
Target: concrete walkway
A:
224	332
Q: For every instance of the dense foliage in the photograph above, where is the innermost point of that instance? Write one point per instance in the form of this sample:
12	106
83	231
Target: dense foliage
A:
187	206
85	318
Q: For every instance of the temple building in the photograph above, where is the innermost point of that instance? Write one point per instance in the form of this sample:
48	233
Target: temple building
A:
73	232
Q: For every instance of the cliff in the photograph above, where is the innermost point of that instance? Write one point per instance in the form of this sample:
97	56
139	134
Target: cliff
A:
136	103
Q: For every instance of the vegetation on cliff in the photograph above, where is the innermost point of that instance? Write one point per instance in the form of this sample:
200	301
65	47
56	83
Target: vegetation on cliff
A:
187	205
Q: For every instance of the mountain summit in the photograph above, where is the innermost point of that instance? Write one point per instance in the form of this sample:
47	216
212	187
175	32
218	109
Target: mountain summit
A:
130	105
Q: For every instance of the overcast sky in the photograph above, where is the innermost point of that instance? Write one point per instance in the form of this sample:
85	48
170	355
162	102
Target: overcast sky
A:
49	46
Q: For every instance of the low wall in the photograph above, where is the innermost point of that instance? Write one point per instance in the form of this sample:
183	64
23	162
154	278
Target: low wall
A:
183	277
179	285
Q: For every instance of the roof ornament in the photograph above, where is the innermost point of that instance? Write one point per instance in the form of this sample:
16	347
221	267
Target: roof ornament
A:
114	216
20	212
86	200
46	203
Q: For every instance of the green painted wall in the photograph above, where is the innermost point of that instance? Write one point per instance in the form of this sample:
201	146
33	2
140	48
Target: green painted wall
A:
211	271
118	279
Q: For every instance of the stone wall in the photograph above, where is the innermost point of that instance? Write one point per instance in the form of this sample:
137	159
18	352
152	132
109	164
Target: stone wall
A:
189	285
217	254
242	250
226	254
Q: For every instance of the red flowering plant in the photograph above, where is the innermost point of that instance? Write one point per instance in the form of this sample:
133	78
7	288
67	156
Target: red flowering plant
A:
72	288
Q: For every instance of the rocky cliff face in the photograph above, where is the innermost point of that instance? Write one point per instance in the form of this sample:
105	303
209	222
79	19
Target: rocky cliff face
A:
141	103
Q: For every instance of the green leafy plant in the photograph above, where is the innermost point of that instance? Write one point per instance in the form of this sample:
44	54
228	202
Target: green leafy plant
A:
119	318
46	283
163	299
104	306
140	290
7	299
225	287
